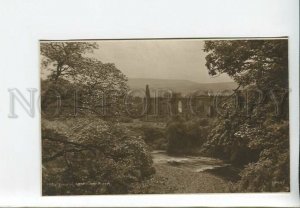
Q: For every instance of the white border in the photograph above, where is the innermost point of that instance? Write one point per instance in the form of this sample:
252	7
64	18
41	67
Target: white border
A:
23	23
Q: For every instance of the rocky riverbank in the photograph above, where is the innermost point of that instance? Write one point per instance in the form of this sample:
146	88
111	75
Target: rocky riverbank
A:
169	179
186	174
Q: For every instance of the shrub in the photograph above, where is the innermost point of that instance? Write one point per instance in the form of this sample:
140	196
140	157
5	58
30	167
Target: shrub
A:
259	144
154	136
152	133
95	158
176	135
266	175
186	136
271	172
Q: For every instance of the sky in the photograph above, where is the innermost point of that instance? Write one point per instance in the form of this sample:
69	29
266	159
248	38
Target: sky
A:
159	59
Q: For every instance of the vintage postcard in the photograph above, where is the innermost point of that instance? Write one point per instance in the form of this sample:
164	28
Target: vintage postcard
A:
164	116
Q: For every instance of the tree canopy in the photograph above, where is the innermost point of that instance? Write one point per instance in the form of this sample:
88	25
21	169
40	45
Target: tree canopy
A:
260	62
64	58
253	137
103	86
97	84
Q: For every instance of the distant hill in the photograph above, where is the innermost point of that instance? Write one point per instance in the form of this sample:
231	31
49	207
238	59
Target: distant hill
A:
182	86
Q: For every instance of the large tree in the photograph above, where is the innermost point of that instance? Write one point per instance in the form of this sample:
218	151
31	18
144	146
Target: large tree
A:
255	138
63	58
103	87
260	62
98	85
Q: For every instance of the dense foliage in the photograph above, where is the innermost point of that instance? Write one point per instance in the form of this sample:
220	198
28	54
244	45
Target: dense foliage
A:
64	59
83	154
79	84
84	157
253	131
260	62
186	136
154	136
103	88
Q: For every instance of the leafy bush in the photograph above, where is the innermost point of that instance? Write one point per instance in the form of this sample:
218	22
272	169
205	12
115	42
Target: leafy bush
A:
152	133
259	143
57	99
186	136
154	136
266	175
93	158
271	172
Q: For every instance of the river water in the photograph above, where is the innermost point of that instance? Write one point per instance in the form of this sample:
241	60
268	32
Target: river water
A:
192	163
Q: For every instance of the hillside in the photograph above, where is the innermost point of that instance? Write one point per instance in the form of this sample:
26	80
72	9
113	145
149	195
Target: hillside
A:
183	86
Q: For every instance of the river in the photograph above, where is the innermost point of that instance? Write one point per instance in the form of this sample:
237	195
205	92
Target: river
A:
192	163
188	174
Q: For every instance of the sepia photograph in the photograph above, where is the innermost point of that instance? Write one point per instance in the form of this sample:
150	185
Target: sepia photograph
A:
164	116
137	103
